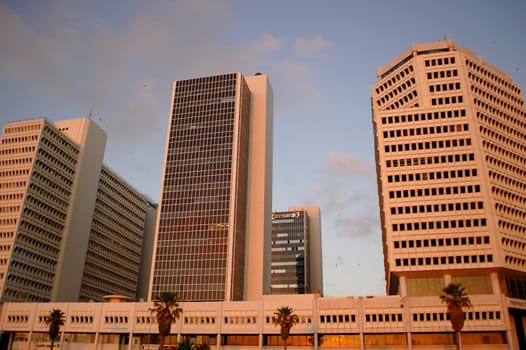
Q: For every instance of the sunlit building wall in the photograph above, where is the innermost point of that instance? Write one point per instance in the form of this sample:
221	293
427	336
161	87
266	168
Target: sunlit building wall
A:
450	138
215	206
383	322
70	228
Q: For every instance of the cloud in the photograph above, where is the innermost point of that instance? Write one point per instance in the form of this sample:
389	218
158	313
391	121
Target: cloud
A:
72	57
346	164
346	192
267	44
296	84
310	46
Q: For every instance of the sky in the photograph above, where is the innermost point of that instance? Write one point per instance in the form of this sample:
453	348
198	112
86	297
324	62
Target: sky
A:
117	60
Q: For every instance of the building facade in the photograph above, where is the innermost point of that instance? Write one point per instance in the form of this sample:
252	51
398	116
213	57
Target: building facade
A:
296	251
384	322
450	138
71	229
215	205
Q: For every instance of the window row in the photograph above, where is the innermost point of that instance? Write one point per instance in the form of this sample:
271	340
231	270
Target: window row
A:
406	71
439	61
9	209
444	87
6	234
56	168
504	140
43	244
469	315
69	154
106	285
507	129
17	150
445	260
115	319
508	181
60	139
14	172
504	82
383	317
511	211
451	158
495	100
435	191
505	152
436	208
401	147
397	90
16	128
338	318
50	187
43	219
15	294
438	225
448	73
207	82
515	261
118	191
438	129
120	214
411	95
409	118
32	285
441	242
451	174
210	97
512	115
33	263
513	228
438	101
16	161
37	230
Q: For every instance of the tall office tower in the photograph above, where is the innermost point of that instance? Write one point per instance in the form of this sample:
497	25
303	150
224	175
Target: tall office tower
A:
450	138
70	229
213	232
296	251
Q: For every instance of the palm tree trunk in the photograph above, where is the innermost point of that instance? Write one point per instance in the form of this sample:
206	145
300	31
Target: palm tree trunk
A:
161	342
52	343
286	341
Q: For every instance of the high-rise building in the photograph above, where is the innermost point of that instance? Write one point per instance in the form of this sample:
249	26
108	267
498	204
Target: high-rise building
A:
70	228
214	227
296	251
450	137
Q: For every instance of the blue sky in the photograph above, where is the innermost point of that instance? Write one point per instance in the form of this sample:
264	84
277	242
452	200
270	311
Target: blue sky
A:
117	59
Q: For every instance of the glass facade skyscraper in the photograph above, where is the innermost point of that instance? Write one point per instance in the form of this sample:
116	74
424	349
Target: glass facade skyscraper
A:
296	251
203	214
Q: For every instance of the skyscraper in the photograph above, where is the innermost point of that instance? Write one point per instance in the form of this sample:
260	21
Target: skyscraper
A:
296	251
215	206
450	138
70	228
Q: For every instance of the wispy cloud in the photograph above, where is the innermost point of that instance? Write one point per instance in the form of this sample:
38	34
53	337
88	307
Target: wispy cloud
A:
310	46
346	193
347	164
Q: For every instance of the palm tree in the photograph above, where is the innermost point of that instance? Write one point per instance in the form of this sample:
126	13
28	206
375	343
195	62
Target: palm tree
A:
167	309
285	318
455	298
55	319
185	344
